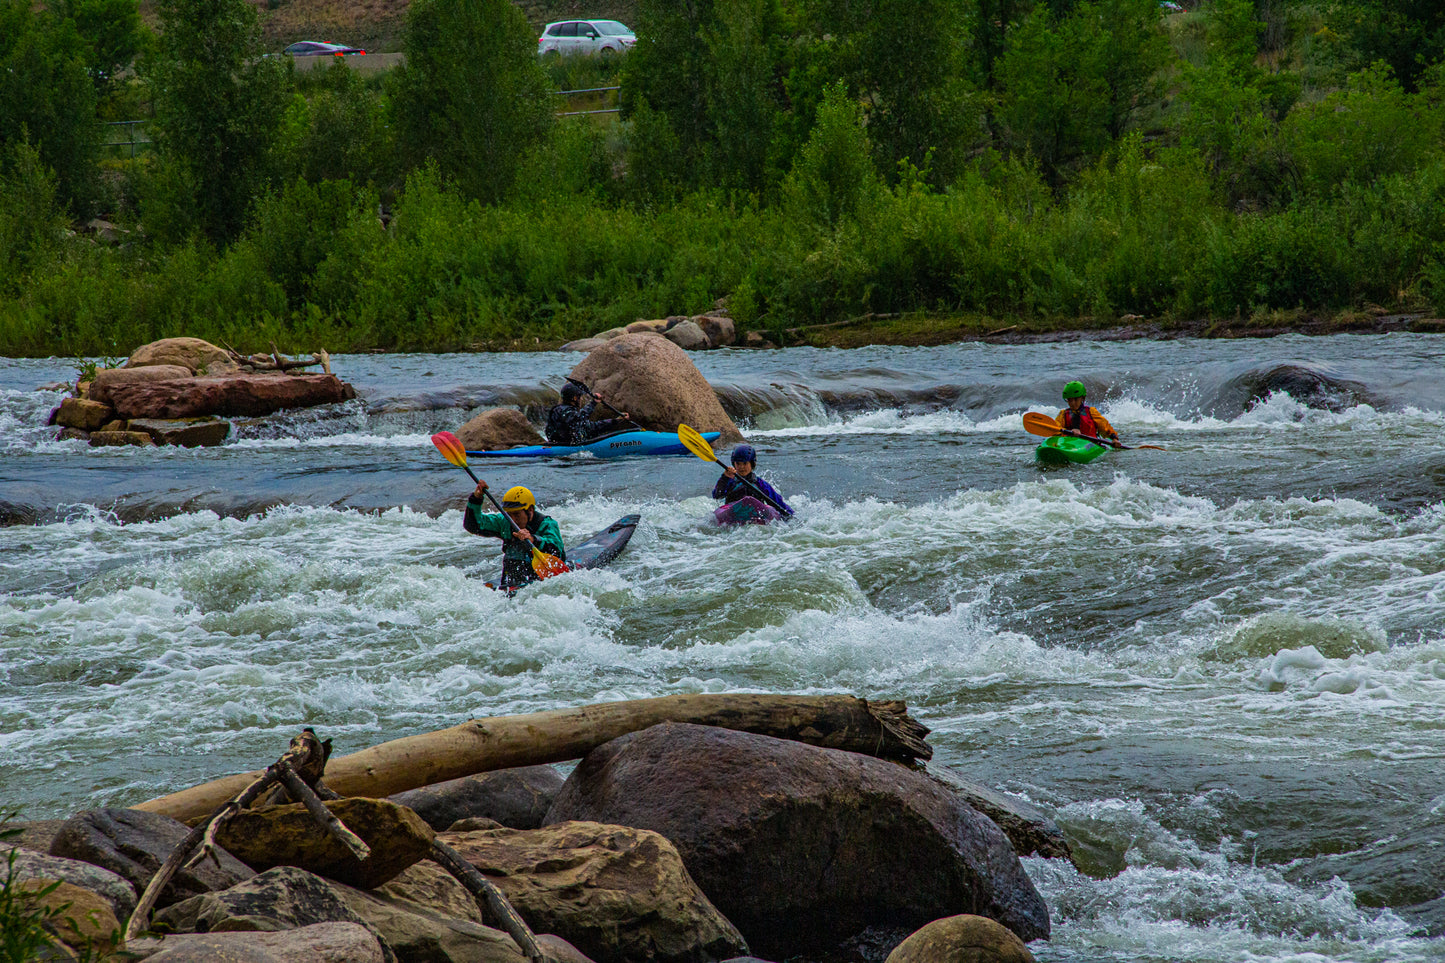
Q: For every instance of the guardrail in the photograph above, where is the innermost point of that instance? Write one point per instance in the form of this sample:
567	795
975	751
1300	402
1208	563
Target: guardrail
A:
586	90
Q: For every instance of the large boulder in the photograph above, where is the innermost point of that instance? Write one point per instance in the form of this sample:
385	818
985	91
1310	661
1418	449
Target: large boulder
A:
617	894
108	378
583	344
719	329
516	798
317	943
962	939
195	355
288	836
429	888
498	428
133	844
689	336
801	846
36	834
655	382
28	864
239	395
81	919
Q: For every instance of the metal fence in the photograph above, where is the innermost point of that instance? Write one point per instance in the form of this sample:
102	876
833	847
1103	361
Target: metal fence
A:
588	90
132	132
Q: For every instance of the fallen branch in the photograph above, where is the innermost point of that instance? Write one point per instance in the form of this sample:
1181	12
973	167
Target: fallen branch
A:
882	729
492	900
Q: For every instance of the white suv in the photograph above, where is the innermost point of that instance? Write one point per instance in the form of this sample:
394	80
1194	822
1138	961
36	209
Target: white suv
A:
605	37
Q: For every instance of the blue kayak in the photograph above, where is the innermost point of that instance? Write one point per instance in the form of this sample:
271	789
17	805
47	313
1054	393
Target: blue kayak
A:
608	446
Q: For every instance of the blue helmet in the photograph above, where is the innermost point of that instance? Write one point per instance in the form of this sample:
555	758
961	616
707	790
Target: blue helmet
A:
745	453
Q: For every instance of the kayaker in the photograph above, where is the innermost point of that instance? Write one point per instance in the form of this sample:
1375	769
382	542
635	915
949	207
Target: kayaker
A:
570	423
733	484
1081	419
533	528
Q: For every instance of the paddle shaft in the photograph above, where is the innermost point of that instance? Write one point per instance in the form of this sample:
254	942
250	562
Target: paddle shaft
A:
599	398
512	521
748	482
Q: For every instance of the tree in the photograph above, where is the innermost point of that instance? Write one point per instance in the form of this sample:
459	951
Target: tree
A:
47	100
1409	35
833	178
113	34
218	107
471	95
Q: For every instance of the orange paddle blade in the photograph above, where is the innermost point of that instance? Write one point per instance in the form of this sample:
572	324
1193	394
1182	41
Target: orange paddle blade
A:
1039	424
451	448
547	565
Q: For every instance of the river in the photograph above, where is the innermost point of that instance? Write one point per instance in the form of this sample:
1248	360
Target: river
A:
1221	668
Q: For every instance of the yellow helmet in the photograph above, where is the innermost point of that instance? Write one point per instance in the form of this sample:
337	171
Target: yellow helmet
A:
518	498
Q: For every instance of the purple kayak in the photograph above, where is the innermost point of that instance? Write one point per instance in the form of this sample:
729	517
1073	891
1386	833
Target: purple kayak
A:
746	511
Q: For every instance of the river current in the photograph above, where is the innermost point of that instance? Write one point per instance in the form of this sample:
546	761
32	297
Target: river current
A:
1220	668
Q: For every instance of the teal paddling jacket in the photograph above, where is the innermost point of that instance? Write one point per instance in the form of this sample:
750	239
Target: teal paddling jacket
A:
516	552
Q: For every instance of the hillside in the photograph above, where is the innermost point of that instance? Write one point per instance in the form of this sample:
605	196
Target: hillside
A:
377	24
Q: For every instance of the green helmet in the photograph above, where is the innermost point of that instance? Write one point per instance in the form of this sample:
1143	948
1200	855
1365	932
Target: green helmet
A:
1074	389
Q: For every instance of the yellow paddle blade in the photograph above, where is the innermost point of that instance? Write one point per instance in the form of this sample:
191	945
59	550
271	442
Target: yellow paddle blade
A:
1037	424
695	443
547	565
451	448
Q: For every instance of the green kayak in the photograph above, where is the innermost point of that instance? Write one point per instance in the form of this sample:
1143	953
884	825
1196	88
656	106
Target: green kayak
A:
1064	450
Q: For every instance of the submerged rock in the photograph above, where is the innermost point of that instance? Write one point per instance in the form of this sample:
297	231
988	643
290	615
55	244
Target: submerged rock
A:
656	383
801	846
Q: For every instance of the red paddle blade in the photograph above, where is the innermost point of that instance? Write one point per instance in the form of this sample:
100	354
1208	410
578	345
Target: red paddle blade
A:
548	565
451	448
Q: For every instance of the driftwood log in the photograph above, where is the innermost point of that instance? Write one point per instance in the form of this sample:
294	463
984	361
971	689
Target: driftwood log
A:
882	729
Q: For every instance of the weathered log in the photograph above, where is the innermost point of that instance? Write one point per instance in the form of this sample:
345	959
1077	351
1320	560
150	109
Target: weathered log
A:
882	729
491	899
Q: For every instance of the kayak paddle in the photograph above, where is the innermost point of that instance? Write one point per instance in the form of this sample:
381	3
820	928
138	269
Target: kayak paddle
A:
698	445
1040	424
590	392
454	451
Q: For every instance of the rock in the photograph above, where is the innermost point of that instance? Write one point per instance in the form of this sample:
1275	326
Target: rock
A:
288	836
116	425
111	439
133	844
29	864
36	834
720	330
756	339
284	898
426	886
84	920
317	943
1031	832
673	320
583	344
429	938
800	846
498	428
559	950
242	395
688	336
198	357
83	414
654	380
185	432
517	798
647	327
617	894
107	378
962	939
609	334
104	231
72	434
472	823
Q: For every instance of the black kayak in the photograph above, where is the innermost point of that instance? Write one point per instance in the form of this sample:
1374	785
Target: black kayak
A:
595	550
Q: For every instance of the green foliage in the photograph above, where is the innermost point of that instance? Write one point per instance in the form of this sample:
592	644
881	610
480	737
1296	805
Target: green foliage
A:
47	99
471	96
833	179
218	108
30	221
113	33
23	933
339	131
1409	35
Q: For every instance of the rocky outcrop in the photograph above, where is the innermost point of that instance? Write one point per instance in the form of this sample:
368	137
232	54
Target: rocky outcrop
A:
688	336
516	798
426	886
418	936
317	943
656	383
284	898
962	939
692	333
83	414
115	439
28	864
197	356
240	395
107	379
133	844
498	428
185	432
288	836
718	328
800	846
617	894
1031	832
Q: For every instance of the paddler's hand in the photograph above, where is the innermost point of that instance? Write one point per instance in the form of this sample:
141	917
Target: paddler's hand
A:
730	472
523	533
481	489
